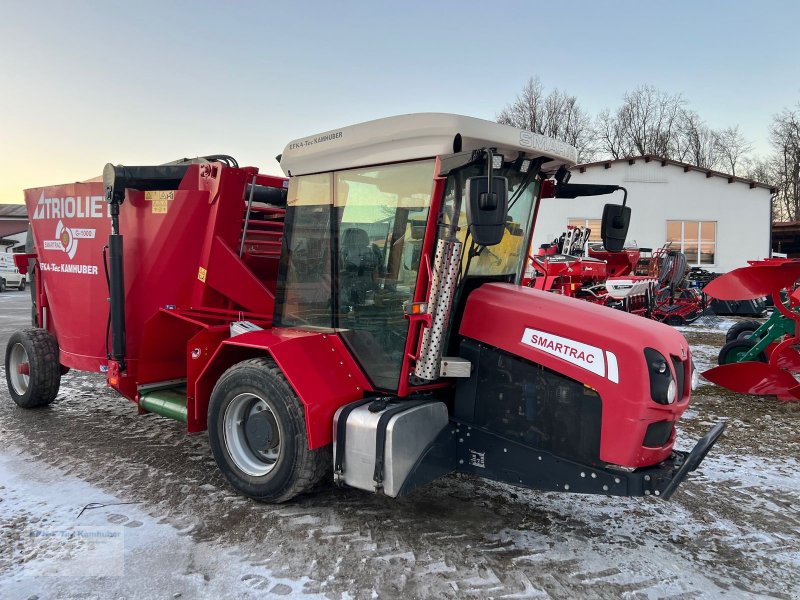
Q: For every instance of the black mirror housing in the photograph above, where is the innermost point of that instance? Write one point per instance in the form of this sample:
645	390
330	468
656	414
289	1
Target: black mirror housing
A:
614	226
486	212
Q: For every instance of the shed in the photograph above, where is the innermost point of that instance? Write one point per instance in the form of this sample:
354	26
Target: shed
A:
719	221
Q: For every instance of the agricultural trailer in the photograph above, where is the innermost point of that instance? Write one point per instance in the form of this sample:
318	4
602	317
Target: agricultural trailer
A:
362	318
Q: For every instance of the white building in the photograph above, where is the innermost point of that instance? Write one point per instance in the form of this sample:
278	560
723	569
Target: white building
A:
719	221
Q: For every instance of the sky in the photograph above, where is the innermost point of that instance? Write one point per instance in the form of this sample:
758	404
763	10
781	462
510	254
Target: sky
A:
85	83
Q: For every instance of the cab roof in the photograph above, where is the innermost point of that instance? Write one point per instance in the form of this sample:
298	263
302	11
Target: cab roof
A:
415	136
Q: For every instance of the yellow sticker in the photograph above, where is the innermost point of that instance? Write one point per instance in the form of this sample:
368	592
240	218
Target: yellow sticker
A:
159	195
160	206
201	274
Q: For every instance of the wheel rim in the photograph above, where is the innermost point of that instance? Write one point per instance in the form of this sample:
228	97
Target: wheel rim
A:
744	335
18	363
252	434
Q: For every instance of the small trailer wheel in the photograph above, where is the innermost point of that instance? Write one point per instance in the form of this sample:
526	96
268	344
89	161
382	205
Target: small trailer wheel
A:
741	330
257	432
33	373
733	351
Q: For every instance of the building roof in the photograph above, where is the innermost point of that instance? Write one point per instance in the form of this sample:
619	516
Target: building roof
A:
415	136
13	211
676	163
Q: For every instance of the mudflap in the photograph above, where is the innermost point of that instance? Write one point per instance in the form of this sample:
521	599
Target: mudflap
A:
468	449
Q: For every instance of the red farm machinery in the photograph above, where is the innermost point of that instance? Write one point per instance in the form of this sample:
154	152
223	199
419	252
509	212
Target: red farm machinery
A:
363	318
635	280
761	357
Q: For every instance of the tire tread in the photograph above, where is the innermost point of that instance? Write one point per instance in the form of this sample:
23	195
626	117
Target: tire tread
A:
45	375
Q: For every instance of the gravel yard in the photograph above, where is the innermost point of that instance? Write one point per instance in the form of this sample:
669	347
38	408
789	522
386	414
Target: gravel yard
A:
177	530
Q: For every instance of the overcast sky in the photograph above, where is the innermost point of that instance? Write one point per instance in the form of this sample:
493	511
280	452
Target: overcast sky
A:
86	83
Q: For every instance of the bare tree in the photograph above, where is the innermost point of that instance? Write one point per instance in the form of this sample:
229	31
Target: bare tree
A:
650	120
695	143
785	139
556	114
732	148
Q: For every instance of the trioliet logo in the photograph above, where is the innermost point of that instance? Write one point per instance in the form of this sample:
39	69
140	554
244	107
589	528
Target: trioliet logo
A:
577	353
69	207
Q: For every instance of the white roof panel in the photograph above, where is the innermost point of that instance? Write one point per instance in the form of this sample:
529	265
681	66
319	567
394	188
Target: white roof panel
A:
414	136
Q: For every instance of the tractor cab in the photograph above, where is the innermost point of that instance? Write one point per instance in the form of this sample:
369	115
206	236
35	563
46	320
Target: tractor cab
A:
372	207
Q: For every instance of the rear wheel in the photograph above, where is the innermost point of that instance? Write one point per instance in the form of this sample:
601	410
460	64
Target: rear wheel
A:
741	330
734	352
257	432
32	370
2	285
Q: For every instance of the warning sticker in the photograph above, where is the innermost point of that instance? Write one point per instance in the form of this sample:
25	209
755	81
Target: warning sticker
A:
160	200
201	274
159	195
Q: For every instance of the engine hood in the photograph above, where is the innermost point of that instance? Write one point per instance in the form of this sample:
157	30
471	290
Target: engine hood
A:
594	344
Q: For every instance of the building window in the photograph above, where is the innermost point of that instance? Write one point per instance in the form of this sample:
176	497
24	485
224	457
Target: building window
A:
696	239
592	224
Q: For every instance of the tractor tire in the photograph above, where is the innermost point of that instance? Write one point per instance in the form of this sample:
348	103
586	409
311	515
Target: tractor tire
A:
258	436
741	330
38	349
22	286
674	320
735	349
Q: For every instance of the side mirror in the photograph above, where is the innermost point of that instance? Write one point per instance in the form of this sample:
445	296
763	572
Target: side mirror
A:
614	226
486	209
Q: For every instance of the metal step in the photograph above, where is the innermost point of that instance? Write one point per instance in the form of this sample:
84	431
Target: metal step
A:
169	403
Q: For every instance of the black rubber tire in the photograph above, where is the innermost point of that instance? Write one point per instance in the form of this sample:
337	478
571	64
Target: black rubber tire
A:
727	353
298	469
741	329
674	320
2	285
45	372
22	286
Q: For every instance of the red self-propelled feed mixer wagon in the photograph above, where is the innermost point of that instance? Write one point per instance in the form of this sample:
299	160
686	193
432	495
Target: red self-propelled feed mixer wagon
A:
362	318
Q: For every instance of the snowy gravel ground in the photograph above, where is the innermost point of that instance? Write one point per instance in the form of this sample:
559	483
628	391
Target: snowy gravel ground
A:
732	531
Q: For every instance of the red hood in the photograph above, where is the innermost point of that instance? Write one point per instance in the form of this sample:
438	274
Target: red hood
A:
598	346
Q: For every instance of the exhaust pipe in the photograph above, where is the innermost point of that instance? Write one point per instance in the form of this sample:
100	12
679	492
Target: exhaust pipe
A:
447	261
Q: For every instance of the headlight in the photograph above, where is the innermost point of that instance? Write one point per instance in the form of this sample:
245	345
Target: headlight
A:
663	388
672	390
695	377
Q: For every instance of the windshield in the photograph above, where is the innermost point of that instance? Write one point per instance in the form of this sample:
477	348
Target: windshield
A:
508	257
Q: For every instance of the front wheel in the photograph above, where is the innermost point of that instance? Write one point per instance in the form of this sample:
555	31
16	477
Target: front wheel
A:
2	285
257	432
22	286
32	371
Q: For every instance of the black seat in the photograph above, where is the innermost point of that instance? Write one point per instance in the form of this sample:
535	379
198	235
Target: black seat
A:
360	265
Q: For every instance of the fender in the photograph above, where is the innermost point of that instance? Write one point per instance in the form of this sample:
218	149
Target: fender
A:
317	365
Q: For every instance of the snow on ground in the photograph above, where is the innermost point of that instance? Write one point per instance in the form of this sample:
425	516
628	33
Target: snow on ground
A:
41	506
731	531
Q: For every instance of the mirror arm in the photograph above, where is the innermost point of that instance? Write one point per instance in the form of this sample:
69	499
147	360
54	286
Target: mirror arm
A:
490	173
